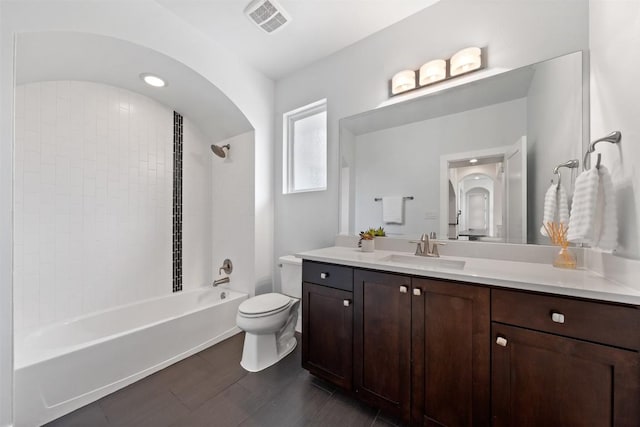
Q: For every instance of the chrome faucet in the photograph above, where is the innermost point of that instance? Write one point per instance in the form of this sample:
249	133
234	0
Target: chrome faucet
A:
426	247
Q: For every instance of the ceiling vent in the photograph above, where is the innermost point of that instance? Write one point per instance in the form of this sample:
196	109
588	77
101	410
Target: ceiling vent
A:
267	14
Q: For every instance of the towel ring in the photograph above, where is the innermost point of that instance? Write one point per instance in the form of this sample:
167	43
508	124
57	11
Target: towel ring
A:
571	164
614	137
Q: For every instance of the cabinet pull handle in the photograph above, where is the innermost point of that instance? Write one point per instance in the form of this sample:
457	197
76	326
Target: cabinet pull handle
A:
417	292
557	317
403	289
324	275
346	303
501	341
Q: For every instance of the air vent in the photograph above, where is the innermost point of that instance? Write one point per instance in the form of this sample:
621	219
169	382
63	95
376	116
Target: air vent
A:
267	14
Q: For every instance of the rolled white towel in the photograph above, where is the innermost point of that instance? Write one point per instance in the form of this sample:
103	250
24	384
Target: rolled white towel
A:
607	216
583	209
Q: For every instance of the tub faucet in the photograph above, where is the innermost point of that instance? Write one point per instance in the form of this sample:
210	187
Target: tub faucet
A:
221	281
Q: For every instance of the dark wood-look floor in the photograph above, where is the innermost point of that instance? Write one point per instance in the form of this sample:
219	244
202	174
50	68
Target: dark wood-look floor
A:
211	389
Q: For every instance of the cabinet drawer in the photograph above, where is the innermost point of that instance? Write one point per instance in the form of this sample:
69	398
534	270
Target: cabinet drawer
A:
593	321
334	276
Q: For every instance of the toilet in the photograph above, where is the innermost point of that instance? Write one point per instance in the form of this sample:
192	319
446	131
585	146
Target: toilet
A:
270	320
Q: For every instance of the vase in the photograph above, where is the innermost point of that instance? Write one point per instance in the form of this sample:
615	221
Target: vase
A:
565	259
368	245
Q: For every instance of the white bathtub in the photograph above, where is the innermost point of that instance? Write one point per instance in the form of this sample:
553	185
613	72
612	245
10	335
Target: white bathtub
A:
67	365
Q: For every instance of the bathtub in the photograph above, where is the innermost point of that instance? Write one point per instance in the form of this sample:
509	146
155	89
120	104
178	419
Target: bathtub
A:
67	365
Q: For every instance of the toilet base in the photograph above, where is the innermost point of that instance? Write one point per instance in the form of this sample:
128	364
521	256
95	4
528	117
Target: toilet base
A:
261	351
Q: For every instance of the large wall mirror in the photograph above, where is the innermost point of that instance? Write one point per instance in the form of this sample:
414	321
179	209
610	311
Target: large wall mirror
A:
470	162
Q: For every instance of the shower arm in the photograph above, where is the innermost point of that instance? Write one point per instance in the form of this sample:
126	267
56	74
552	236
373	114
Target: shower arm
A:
614	138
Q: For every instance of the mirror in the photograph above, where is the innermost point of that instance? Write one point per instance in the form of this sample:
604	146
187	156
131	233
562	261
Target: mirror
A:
469	162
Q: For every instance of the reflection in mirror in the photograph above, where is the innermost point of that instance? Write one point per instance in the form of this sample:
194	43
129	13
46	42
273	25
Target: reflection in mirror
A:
519	124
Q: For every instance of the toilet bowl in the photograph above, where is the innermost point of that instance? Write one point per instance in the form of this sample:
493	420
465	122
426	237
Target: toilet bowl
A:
269	320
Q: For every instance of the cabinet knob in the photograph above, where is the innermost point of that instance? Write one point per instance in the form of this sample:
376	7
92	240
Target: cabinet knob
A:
417	292
557	317
324	275
346	303
501	341
403	289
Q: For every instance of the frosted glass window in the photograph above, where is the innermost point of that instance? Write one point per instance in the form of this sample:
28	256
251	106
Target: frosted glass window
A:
305	149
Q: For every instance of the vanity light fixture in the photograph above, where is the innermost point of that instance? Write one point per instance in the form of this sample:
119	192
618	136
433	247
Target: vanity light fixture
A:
403	81
438	70
473	161
465	60
153	80
433	71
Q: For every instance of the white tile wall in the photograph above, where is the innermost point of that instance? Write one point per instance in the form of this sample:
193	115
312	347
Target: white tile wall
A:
197	209
93	197
233	215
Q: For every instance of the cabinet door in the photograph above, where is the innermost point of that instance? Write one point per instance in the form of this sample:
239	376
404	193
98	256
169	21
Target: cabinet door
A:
451	354
327	338
540	379
382	340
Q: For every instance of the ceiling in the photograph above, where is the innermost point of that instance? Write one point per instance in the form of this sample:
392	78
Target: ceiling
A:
45	56
317	28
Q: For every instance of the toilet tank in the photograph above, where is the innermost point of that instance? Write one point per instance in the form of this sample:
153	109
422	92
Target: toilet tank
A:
291	276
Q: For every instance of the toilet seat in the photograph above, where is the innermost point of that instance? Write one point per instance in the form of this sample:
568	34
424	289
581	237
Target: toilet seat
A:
264	305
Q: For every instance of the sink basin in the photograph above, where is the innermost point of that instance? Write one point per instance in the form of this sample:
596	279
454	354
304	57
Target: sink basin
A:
429	262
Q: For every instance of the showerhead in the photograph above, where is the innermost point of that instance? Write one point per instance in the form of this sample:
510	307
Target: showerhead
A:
219	151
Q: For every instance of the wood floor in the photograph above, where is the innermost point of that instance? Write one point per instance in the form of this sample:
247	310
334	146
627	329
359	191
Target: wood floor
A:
211	389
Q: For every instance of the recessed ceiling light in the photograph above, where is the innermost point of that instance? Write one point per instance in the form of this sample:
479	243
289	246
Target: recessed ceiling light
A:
152	80
473	161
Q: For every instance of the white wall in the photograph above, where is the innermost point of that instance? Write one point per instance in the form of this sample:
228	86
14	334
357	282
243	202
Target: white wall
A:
233	216
554	133
355	79
405	161
615	59
6	233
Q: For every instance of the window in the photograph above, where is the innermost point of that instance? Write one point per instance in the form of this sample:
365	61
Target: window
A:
305	148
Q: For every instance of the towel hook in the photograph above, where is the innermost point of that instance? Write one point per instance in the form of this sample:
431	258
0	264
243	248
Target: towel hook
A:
614	137
571	164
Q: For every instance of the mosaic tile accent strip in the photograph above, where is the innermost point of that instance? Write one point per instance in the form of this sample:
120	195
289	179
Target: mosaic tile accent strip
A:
177	202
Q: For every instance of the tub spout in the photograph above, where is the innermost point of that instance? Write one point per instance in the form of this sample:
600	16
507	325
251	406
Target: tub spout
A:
221	281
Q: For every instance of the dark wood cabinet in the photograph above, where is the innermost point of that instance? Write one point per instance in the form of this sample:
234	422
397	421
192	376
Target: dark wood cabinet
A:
564	361
451	354
327	325
382	340
540	379
442	353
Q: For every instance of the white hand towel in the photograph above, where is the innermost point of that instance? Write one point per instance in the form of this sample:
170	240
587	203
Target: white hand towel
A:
563	206
556	207
606	214
583	209
393	210
550	207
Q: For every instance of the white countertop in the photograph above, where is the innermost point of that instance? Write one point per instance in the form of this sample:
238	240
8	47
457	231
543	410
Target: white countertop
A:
506	274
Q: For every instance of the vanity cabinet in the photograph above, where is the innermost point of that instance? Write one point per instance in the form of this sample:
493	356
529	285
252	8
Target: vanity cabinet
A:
382	340
560	361
451	354
327	322
446	353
